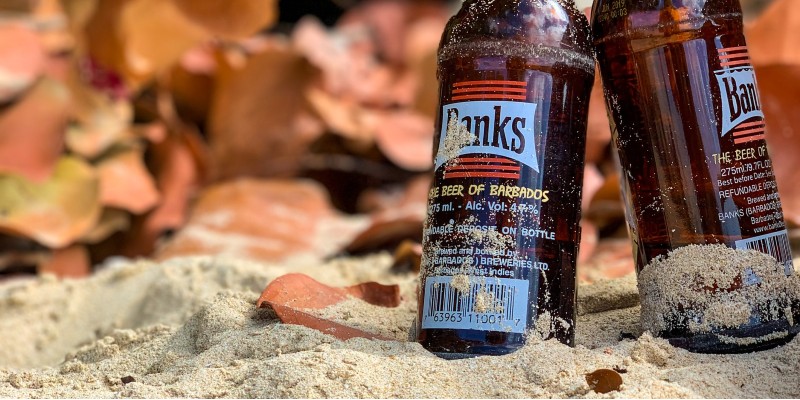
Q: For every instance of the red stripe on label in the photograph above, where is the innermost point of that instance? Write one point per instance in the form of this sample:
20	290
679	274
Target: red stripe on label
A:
731	49
749	125
480	175
748	139
747	132
489	97
743	62
494	160
489	89
731	57
474	83
483	167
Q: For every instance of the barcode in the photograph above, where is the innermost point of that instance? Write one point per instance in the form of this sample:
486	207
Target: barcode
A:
775	244
503	304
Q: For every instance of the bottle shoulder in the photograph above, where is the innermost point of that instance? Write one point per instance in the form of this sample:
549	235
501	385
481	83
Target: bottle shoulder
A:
648	18
551	23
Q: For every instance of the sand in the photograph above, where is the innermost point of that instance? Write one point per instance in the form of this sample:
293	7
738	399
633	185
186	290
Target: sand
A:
188	328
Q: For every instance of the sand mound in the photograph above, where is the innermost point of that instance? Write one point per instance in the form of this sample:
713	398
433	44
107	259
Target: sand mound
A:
188	328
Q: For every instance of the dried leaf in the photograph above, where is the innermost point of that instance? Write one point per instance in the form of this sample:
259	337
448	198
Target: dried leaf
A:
290	295
100	120
231	18
406	138
263	220
260	122
772	37
110	222
780	91
604	380
179	169
598	130
22	59
407	257
71	262
386	235
56	212
32	131
139	38
125	182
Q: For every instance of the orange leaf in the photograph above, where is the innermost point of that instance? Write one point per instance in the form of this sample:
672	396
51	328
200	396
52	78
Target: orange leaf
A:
290	294
71	262
772	38
125	182
231	18
264	220
406	138
22	59
780	91
260	122
139	38
179	170
56	212
32	131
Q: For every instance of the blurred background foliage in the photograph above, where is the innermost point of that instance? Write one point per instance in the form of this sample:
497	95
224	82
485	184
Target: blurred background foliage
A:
263	129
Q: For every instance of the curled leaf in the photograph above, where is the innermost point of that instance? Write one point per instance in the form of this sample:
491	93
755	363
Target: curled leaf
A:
260	122
55	212
71	262
32	131
263	220
231	18
22	59
125	182
291	294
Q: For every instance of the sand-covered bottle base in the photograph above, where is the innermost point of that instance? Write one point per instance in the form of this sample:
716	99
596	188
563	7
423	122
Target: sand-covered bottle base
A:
727	298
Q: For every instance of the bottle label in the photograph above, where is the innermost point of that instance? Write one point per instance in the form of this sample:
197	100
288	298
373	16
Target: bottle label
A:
479	303
484	211
747	188
501	128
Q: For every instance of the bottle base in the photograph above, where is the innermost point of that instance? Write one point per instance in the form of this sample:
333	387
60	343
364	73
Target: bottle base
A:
475	352
733	341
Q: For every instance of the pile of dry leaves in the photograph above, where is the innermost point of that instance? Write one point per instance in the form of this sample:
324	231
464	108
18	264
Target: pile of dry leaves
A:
174	127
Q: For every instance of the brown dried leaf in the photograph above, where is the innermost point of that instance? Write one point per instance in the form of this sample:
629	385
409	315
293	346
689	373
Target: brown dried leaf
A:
100	120
179	169
32	131
71	262
263	220
406	138
386	235
772	37
110	222
231	18
598	130
22	59
780	91
407	257
56	212
125	182
139	38
290	295
260	121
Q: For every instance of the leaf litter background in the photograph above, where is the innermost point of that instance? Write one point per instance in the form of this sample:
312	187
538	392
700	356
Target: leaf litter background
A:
252	129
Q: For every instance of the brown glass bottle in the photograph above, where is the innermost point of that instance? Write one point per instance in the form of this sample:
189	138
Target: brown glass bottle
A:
687	123
501	238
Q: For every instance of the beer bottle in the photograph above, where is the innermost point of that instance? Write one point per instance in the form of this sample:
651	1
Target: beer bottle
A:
501	237
688	127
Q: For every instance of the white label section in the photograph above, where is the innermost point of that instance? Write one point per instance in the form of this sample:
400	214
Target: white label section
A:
740	97
478	303
775	244
501	128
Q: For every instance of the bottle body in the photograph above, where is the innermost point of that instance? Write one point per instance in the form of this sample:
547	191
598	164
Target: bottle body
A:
501	238
689	131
